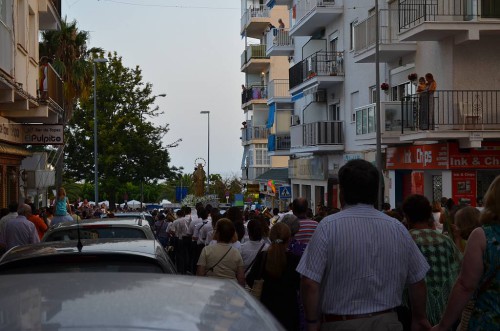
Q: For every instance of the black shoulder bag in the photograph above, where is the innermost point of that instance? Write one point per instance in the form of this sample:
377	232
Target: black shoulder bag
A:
222	258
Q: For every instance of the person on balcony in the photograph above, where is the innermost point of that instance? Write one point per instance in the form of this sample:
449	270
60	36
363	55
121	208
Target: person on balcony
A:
427	114
44	68
281	25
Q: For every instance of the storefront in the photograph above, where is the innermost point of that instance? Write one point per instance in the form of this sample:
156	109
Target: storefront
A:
10	162
315	178
442	170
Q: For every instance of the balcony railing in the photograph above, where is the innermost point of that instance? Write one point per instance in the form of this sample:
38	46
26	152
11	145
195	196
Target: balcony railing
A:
254	132
279	88
304	7
278	142
318	133
253	52
55	87
254	92
318	64
254	12
279	37
364	31
415	12
451	110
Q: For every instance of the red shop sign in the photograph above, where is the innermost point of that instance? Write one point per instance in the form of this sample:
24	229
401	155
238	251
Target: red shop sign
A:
418	157
486	157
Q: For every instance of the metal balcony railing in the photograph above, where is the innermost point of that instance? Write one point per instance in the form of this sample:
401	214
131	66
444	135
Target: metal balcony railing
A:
304	7
253	52
254	92
452	110
278	142
279	88
279	37
254	12
364	31
317	133
323	133
318	64
254	132
415	12
55	86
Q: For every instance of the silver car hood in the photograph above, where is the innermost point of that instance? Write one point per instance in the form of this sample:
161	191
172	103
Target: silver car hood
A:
123	301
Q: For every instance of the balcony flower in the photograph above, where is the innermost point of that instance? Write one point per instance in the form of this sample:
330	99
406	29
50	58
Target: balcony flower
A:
384	87
412	77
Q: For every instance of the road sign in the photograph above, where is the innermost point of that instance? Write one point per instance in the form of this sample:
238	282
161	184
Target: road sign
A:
285	192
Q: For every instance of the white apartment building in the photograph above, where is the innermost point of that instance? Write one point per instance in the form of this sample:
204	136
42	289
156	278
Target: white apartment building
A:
266	80
333	89
21	104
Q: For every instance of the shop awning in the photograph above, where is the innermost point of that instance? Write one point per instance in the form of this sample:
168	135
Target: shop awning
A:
270	117
13	150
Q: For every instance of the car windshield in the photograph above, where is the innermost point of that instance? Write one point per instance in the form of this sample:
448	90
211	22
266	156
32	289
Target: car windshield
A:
96	233
82	263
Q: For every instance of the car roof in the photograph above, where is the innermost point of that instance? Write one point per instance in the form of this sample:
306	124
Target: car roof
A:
145	247
117	255
111	301
129	220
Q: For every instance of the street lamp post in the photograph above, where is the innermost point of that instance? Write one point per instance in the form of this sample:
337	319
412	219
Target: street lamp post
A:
142	165
96	171
208	147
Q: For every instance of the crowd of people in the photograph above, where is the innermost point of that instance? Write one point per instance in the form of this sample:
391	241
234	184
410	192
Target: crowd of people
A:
357	268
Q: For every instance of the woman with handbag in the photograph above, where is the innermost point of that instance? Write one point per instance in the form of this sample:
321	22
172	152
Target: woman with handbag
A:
276	267
221	260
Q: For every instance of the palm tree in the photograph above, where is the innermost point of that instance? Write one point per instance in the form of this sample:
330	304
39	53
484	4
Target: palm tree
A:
67	48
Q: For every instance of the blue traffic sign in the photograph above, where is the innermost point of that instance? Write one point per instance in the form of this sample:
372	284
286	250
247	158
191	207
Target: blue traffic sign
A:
285	192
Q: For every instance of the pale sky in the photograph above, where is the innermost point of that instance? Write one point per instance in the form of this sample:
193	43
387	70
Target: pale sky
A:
191	54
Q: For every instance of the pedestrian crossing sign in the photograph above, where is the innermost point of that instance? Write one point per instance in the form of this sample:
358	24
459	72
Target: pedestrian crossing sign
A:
285	192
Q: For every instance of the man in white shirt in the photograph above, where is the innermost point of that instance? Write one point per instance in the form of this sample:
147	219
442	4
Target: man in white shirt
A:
13	206
250	248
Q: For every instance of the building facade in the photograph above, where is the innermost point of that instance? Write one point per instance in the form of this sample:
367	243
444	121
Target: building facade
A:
439	143
265	88
25	100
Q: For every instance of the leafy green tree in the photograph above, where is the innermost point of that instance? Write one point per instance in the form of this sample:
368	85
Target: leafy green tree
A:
220	186
130	147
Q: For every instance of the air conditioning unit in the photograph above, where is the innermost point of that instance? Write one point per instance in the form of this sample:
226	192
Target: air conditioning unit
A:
294	120
320	96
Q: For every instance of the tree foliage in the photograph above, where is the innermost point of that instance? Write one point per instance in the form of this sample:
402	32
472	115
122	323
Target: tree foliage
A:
130	145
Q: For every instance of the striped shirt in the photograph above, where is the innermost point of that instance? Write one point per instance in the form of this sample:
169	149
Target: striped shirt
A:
306	230
363	260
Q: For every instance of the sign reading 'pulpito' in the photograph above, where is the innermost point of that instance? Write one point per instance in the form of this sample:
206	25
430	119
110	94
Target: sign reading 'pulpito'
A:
41	134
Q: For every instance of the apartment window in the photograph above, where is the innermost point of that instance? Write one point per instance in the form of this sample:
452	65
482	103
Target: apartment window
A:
353	41
354	105
365	120
398	92
3	11
334	112
261	157
32	35
21	22
333	42
373	94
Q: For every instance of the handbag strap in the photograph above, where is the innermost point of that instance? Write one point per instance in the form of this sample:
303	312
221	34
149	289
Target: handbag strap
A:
262	265
255	258
223	256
